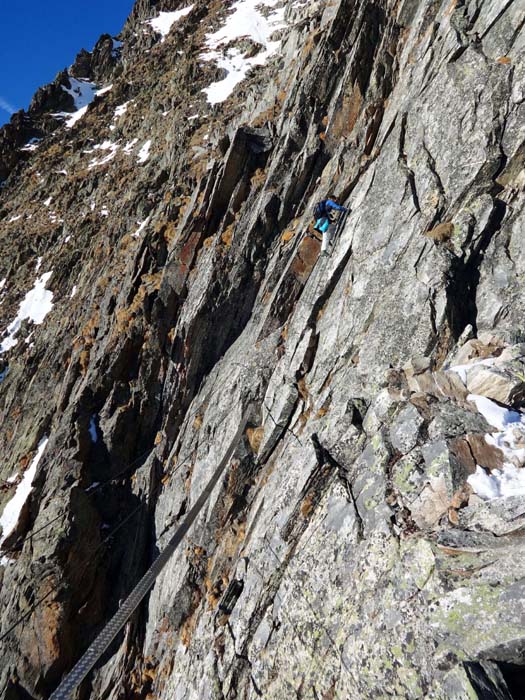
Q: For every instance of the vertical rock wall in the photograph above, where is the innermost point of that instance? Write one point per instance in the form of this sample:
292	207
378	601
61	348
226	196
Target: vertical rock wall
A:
187	295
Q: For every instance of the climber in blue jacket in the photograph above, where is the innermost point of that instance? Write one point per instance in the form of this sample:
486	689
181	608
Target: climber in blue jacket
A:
326	215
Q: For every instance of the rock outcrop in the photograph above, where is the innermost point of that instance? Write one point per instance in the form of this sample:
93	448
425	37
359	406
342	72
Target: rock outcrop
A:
160	284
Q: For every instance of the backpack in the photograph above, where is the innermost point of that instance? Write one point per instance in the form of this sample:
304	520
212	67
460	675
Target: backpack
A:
320	209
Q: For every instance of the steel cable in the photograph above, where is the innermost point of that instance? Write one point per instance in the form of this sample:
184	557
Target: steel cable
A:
117	622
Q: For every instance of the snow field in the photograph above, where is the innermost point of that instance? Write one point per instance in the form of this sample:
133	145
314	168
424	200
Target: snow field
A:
83	93
164	22
245	21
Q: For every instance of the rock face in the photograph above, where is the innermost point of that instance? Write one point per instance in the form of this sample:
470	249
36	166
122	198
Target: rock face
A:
354	547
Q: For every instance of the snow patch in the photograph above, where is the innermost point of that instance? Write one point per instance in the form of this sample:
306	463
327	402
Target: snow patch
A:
105	146
141	228
144	152
462	370
31	145
130	146
103	90
15	218
71	118
494	414
164	22
510	481
510	439
73	291
35	307
121	109
82	91
246	21
14	507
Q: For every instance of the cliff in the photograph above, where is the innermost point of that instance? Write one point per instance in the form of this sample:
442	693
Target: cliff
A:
161	284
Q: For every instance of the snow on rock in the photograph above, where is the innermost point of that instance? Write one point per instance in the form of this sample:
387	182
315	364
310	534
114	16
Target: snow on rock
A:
105	146
82	91
71	118
103	90
164	22
31	145
495	415
510	439
141	228
14	218
35	307
144	152
73	291
14	507
246	21
510	481
130	146
121	109
461	370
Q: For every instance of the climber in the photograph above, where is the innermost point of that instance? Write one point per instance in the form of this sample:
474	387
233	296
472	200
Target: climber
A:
326	213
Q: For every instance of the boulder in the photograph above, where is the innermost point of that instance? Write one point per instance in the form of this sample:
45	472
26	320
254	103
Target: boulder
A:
501	383
406	429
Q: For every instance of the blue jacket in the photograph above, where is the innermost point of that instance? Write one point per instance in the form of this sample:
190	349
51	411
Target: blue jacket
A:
324	207
330	204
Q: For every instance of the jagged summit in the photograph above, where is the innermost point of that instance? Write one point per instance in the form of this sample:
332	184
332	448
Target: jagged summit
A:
161	292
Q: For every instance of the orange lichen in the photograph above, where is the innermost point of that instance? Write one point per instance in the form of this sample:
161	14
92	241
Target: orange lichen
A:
255	437
197	422
258	178
227	235
307	506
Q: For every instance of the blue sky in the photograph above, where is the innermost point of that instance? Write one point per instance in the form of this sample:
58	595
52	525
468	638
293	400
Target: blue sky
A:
40	37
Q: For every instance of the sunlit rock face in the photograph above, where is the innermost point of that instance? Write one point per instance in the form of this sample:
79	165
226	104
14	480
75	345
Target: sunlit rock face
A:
161	282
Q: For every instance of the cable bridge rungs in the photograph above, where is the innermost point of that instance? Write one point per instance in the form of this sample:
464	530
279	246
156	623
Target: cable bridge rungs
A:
137	595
